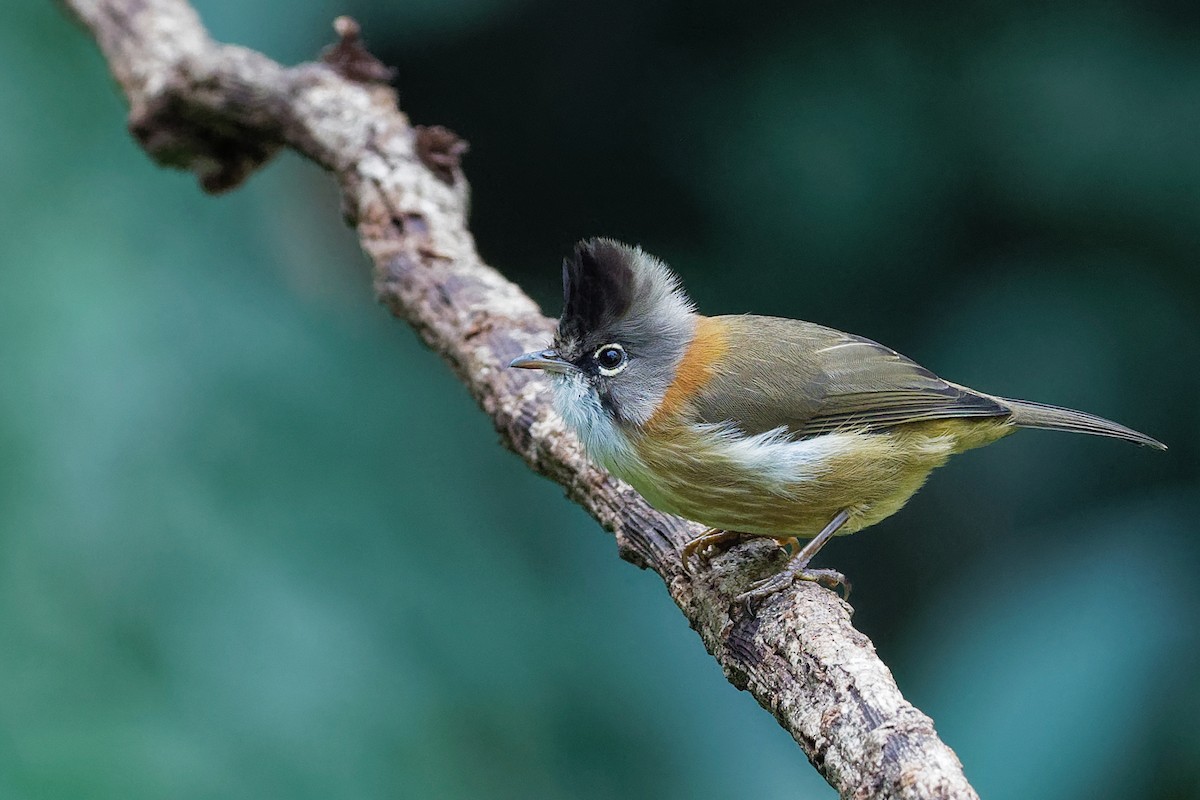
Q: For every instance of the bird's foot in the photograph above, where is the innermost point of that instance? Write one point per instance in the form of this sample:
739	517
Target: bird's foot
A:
797	568
792	572
714	538
699	546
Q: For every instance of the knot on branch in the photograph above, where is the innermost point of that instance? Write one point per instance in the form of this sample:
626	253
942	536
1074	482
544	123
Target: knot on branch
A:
441	150
215	124
176	134
350	58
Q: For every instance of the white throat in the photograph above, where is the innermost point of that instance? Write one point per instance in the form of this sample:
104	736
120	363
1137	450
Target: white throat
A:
579	406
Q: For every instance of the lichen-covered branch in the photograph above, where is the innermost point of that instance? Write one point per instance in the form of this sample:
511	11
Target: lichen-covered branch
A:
222	111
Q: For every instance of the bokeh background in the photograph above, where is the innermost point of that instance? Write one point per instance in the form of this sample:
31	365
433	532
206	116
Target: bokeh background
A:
255	541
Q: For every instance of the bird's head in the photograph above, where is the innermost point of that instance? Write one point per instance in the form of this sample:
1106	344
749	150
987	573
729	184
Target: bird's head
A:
625	326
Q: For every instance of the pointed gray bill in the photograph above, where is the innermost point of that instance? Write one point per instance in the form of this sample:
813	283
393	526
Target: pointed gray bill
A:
548	360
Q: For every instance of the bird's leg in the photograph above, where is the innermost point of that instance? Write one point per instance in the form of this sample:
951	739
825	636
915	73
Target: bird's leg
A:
797	567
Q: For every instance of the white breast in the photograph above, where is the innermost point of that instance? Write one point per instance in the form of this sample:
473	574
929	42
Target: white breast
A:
669	474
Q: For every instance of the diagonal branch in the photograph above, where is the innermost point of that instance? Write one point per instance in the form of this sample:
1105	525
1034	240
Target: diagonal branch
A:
222	111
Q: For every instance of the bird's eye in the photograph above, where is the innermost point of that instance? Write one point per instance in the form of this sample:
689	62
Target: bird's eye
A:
611	359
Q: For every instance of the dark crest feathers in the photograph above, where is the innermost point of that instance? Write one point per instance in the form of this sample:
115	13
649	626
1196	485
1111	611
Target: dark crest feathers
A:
597	286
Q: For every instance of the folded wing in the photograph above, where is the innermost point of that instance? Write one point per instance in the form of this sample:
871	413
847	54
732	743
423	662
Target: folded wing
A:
811	379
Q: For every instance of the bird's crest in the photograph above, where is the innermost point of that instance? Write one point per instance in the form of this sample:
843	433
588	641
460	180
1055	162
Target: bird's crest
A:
598	284
606	283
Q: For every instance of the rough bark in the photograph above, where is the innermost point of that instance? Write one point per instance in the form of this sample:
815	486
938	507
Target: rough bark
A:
222	111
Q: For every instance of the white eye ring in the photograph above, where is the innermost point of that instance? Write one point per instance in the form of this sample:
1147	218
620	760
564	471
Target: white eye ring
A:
617	366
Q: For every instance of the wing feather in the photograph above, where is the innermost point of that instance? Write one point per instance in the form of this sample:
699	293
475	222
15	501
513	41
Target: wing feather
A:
811	379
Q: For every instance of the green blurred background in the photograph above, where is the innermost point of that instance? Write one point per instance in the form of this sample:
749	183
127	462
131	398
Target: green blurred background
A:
255	541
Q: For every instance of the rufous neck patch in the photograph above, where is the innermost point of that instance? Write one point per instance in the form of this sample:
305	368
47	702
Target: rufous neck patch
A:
696	369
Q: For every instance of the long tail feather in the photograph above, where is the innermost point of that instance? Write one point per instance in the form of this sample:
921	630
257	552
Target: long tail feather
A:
1055	418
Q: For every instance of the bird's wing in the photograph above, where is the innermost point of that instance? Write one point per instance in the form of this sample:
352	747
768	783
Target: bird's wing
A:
810	380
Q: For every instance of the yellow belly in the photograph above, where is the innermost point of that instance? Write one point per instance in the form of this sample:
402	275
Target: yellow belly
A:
795	488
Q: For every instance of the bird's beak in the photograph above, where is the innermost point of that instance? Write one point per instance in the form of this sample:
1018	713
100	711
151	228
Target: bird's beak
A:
548	360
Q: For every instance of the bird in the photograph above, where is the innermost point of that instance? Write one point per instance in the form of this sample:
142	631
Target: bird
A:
758	426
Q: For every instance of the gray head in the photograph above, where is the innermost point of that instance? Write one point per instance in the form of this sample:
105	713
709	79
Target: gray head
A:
625	325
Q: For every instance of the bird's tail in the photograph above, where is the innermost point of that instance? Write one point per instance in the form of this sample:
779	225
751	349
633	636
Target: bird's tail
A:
1038	415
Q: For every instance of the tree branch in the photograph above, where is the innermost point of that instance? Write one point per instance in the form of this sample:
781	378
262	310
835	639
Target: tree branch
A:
222	111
